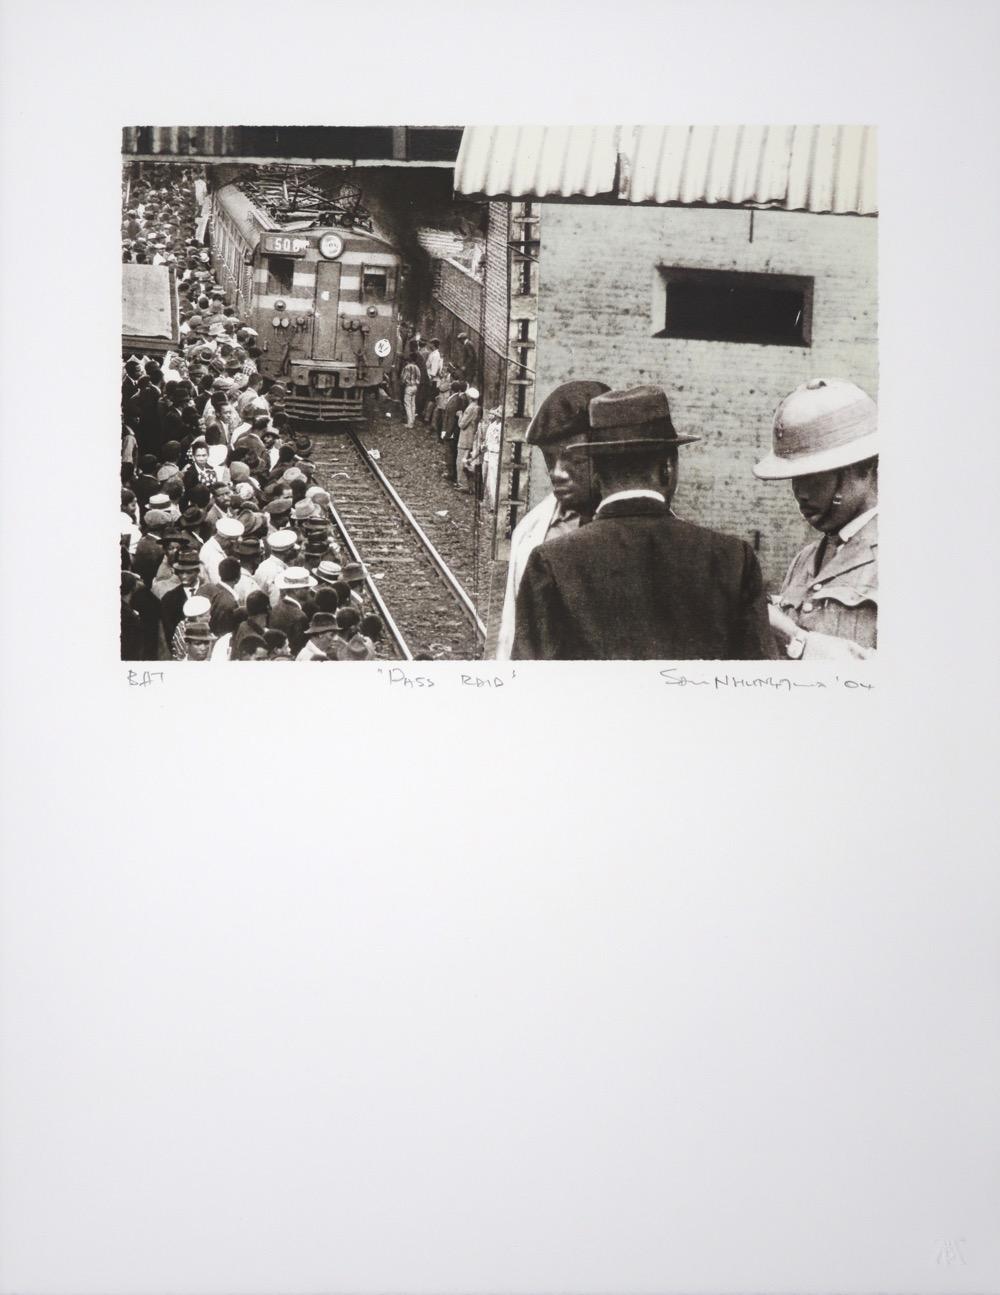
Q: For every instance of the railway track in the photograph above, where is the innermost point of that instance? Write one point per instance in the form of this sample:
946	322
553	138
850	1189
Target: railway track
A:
427	613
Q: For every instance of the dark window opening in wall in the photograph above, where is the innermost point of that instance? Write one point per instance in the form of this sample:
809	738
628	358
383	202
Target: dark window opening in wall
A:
280	272
728	306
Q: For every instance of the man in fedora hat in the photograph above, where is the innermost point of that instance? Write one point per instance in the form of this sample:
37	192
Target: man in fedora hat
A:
198	640
825	441
322	639
354	574
638	583
560	429
187	568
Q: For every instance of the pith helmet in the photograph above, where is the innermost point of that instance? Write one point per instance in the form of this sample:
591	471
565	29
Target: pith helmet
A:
827	423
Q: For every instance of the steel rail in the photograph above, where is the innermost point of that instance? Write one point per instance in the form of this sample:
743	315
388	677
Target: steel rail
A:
442	568
377	598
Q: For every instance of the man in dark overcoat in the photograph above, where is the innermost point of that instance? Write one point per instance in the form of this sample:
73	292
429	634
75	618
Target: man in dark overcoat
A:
637	583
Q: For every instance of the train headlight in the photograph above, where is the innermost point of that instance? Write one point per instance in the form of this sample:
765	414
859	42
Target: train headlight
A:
276	322
279	304
284	322
331	246
373	310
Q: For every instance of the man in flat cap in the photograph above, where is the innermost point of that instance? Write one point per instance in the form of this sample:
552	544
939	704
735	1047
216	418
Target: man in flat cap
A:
638	583
560	430
825	441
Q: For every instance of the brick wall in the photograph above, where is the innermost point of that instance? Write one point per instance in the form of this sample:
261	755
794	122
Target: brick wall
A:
597	289
459	292
462	303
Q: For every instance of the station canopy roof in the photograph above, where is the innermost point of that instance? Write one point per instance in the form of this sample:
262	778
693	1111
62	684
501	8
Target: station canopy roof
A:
829	169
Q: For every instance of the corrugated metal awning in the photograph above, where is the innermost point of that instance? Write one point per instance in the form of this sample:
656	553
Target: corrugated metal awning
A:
794	168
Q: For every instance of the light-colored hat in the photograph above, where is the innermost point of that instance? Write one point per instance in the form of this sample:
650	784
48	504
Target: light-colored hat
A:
281	540
472	393
159	501
229	528
196	606
825	424
217	455
295	578
328	571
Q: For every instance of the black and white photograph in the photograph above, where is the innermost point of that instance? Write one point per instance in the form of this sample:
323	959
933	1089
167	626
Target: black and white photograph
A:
626	923
366	388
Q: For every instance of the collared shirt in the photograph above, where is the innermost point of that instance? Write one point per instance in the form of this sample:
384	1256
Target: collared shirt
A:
854	526
311	651
266	575
211	554
631	494
563	521
244	586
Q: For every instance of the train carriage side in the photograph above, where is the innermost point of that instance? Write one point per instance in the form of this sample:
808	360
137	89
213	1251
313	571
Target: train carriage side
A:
235	236
324	301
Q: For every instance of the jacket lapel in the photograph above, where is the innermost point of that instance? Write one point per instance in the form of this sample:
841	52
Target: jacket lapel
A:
858	551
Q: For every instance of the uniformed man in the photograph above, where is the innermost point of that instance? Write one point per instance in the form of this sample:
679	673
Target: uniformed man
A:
825	441
283	547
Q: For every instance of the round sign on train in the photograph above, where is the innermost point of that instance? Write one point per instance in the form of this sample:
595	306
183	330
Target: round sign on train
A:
285	245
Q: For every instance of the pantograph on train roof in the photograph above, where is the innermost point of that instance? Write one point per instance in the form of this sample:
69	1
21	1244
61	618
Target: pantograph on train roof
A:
294	195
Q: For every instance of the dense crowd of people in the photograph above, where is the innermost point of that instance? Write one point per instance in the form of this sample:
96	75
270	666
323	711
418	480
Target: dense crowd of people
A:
228	550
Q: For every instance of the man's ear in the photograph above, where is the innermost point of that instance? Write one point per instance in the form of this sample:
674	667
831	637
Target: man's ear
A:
669	475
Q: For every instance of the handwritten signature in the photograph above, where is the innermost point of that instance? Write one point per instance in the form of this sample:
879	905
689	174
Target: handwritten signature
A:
776	683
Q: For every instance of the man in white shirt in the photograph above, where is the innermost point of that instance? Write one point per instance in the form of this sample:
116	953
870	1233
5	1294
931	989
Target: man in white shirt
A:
283	547
212	552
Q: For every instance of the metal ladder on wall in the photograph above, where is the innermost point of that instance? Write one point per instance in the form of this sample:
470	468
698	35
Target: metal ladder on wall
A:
519	384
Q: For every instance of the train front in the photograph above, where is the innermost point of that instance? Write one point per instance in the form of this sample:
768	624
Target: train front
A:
327	303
